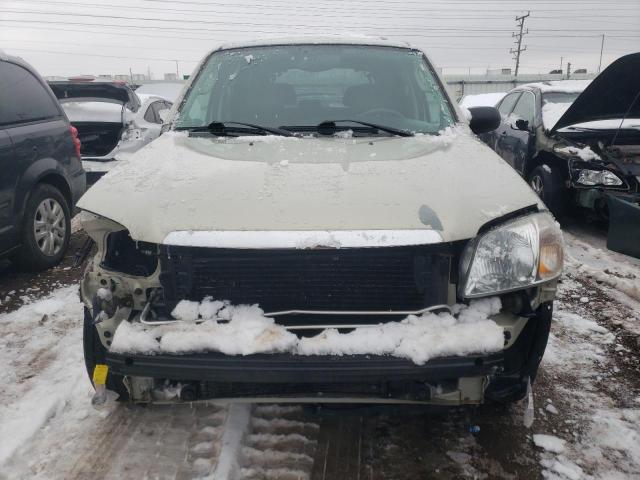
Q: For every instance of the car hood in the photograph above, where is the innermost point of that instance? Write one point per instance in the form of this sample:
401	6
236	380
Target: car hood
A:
96	92
612	94
449	184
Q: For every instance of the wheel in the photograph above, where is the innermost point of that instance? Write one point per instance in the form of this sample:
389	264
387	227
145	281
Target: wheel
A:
94	353
548	183
46	229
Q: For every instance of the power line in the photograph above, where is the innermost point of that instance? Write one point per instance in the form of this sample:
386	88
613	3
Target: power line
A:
518	42
572	16
402	28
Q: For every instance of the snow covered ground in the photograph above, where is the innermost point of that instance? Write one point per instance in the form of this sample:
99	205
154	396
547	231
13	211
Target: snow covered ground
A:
587	406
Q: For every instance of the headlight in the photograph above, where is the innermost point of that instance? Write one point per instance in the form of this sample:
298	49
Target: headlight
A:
517	254
598	177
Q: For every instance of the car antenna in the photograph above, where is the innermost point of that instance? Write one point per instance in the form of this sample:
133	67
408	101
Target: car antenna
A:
613	141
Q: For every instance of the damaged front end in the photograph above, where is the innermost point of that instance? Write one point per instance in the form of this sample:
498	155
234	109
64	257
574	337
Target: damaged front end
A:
606	180
341	289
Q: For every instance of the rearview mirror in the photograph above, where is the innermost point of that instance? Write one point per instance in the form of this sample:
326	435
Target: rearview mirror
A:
484	119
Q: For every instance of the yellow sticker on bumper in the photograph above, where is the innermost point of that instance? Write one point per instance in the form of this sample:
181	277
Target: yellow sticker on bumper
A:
100	374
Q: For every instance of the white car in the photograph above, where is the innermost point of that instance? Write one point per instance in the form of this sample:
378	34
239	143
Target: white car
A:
319	224
112	121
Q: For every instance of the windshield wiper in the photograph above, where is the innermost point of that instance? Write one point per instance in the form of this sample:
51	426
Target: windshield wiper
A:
222	128
329	127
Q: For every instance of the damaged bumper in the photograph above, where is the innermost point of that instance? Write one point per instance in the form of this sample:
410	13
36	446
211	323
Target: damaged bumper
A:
473	379
624	224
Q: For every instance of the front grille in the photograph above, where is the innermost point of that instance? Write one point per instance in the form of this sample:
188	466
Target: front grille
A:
387	278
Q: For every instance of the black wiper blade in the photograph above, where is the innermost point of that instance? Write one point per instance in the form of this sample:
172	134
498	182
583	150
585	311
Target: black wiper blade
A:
330	127
222	128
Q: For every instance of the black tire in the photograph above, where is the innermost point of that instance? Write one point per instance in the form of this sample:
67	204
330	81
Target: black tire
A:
548	183
94	354
31	255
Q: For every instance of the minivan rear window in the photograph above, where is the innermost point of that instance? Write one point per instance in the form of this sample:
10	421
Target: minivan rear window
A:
22	96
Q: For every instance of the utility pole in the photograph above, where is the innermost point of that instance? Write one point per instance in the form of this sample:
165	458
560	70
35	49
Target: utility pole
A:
177	71
568	70
601	49
516	52
561	58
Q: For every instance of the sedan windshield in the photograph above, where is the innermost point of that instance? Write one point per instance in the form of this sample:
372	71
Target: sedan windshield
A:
560	97
554	104
298	87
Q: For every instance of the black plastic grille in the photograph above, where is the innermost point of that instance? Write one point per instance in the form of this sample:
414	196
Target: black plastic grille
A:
388	278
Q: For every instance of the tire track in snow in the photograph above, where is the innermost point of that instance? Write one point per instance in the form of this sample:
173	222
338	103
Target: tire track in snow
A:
166	442
280	445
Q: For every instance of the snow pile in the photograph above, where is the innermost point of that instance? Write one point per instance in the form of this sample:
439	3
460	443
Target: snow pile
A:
619	431
612	269
549	443
482	100
42	367
561	467
584	153
244	330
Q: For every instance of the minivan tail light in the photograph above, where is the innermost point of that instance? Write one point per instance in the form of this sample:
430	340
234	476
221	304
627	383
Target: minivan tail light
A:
76	141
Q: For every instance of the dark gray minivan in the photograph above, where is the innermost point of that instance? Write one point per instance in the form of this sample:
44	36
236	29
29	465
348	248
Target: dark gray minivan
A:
41	175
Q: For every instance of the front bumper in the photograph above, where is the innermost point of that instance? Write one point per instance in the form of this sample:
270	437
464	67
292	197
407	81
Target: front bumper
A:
500	376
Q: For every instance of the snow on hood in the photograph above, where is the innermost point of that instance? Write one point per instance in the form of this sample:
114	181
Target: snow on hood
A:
612	94
451	184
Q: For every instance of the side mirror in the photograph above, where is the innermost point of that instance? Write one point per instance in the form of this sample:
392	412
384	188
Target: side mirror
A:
484	119
522	124
164	114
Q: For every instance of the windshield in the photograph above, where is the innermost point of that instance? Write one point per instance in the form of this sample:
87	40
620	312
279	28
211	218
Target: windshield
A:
554	104
304	85
559	97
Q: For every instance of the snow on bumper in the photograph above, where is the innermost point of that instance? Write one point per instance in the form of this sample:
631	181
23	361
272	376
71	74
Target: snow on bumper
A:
247	331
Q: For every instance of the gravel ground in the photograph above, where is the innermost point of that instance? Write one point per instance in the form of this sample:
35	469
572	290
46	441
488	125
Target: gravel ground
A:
587	401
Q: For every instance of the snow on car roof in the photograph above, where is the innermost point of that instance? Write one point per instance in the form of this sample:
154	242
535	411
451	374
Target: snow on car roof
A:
563	86
348	39
482	99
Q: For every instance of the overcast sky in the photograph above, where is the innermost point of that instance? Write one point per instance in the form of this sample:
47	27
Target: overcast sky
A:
71	37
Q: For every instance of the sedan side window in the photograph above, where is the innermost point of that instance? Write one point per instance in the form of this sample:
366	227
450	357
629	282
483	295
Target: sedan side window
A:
506	106
525	108
150	115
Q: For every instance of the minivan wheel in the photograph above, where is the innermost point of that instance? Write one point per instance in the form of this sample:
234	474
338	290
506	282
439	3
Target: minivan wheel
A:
46	229
95	353
548	184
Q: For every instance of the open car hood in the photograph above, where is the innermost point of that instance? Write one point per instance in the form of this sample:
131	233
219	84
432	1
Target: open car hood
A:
612	94
96	92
